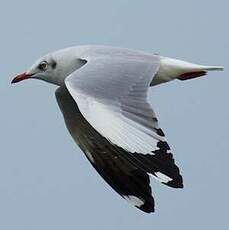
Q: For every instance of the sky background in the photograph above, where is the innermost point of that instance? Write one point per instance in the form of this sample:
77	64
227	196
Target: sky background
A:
45	180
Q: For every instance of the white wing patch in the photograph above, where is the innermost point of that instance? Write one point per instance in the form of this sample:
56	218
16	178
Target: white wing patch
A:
135	201
161	177
89	155
110	123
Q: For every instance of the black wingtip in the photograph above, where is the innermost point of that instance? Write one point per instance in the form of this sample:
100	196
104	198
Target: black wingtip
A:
176	183
148	206
147	209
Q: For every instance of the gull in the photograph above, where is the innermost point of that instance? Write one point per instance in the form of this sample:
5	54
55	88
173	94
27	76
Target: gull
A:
102	93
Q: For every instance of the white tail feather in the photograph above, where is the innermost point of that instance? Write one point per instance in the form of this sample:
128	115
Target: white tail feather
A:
213	68
171	69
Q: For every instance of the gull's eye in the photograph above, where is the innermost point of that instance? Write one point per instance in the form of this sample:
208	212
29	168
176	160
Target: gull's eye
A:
43	66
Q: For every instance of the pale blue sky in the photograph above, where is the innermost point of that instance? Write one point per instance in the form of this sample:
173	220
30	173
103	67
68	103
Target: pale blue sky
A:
46	182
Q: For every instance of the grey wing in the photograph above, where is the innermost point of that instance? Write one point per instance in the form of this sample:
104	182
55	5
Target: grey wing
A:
111	162
111	93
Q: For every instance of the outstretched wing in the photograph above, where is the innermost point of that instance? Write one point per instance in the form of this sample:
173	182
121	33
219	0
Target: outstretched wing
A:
111	93
110	161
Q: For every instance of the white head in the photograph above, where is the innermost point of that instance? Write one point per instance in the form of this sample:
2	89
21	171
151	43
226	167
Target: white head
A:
53	67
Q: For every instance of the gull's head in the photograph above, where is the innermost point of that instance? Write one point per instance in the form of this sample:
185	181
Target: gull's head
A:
53	67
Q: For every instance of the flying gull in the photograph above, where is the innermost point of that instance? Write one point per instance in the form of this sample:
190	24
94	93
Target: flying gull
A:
102	93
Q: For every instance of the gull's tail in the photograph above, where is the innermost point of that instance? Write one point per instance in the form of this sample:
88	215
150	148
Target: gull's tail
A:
171	69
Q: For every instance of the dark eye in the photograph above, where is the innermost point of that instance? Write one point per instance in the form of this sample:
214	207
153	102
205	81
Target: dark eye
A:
43	66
